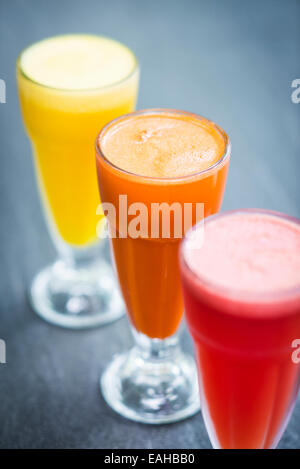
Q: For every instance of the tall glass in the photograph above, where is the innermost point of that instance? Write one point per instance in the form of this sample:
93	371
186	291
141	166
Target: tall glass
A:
78	290
249	373
155	382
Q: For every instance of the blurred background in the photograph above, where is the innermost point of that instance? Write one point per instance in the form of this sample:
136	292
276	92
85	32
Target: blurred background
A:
231	61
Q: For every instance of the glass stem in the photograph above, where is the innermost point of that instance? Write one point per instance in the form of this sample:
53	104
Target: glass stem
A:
156	349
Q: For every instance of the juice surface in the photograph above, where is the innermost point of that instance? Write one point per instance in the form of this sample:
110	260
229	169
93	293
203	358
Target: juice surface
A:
77	62
253	253
156	146
69	87
163	146
243	329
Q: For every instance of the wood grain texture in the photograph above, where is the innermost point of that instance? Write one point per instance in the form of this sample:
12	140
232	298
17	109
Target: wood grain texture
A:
231	61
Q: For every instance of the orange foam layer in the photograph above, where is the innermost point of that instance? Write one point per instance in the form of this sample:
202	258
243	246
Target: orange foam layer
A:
163	145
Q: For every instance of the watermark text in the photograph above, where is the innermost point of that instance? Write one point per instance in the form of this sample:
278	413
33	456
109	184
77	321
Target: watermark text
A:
153	220
2	351
2	91
295	96
296	352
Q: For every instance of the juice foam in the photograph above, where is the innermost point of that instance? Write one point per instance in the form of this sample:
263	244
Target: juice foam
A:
250	252
164	145
77	62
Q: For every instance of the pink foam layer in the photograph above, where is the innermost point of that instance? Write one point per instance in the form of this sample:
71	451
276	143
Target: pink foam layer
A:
250	252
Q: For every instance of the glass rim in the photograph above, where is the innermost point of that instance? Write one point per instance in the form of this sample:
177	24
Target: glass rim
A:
77	90
100	153
235	294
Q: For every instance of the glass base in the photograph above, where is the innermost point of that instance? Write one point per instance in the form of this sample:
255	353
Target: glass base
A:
152	390
77	298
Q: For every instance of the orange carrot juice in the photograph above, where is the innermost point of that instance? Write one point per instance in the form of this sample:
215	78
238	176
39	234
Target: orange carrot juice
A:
158	156
69	86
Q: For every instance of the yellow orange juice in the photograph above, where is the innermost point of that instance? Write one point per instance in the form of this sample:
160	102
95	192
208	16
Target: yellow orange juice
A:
69	87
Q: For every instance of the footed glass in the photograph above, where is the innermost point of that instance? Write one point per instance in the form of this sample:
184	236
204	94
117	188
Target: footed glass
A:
245	340
155	382
78	290
69	86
